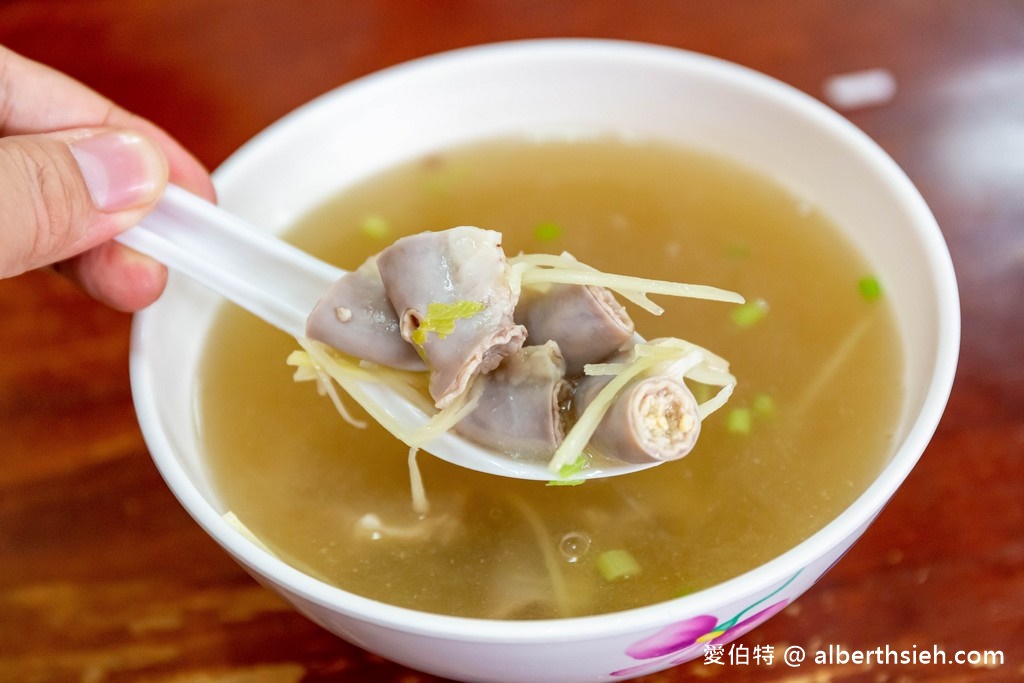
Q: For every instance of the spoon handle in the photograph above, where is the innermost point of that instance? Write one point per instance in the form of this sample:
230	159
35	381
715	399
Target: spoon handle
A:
261	273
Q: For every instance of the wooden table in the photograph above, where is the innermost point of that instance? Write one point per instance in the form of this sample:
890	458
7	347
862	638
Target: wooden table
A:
103	577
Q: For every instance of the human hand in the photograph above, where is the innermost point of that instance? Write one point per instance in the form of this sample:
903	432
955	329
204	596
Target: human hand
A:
76	170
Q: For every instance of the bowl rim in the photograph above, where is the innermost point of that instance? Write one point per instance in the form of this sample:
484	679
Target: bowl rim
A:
759	580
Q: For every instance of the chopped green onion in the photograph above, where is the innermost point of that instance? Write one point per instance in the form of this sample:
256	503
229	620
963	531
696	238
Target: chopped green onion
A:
870	288
750	313
763	405
617	564
375	226
738	250
739	421
574	467
547	231
441	319
565	482
685	589
437	184
568	470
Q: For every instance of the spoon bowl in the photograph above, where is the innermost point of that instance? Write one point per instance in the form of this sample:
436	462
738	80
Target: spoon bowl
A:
280	284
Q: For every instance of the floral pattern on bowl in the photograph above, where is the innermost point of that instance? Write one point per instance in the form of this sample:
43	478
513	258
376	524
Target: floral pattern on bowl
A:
683	640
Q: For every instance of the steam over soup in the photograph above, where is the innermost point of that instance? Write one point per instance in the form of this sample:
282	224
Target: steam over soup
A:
814	348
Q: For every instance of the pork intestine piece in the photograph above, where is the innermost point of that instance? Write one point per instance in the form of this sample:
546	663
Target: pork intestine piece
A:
355	317
518	411
463	264
586	321
652	419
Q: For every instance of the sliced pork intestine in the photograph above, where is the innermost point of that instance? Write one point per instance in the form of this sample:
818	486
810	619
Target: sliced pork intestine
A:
356	317
652	419
446	267
518	412
586	321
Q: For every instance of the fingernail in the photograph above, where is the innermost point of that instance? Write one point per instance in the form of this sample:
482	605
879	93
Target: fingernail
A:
121	169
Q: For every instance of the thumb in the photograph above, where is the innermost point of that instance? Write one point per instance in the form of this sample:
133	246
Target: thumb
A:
63	193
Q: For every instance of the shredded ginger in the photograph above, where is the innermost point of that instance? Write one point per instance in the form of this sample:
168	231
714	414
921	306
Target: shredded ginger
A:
674	357
534	269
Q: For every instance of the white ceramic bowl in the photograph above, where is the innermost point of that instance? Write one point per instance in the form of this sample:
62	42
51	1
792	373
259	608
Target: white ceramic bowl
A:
561	87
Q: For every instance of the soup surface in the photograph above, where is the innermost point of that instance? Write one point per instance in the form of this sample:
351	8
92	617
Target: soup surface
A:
809	426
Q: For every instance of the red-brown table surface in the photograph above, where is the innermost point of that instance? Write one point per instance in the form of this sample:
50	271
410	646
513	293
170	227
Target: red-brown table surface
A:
104	577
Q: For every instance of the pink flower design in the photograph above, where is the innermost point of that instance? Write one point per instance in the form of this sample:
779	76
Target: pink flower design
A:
683	640
673	638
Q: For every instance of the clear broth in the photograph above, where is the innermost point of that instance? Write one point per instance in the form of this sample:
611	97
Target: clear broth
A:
829	360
